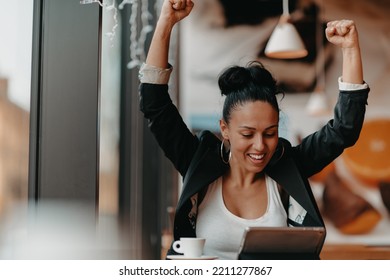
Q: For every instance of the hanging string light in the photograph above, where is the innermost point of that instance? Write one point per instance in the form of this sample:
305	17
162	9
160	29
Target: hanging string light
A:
89	1
138	34
110	35
112	7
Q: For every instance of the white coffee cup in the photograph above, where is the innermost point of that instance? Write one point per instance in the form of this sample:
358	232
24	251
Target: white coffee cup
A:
191	247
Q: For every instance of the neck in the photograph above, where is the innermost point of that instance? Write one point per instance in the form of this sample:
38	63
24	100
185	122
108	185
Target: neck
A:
241	178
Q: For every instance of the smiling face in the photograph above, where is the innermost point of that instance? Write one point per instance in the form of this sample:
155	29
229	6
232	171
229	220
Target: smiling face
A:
253	135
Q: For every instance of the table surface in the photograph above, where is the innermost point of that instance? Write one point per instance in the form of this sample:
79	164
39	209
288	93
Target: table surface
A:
355	252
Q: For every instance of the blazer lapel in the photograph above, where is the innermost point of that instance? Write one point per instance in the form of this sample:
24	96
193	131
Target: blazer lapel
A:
286	173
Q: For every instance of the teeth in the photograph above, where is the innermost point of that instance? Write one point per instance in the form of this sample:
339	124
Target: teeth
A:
256	156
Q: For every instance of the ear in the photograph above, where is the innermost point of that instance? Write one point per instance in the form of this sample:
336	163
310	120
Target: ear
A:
224	129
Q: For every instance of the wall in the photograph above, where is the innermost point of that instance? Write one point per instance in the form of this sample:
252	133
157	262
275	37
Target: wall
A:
240	43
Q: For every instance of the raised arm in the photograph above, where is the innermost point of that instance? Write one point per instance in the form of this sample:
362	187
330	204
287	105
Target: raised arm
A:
172	11
165	122
320	148
343	33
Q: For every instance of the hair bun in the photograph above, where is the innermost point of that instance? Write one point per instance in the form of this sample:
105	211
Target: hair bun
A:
247	84
233	79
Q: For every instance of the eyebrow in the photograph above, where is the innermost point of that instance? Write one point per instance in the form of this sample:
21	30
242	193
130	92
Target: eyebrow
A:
252	128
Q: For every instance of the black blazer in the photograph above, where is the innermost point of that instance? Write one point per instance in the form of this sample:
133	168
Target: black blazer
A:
197	157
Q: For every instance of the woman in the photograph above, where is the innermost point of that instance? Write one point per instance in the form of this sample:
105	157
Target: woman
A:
252	177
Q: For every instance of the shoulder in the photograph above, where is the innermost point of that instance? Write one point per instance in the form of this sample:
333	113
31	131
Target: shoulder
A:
282	150
283	142
209	141
208	138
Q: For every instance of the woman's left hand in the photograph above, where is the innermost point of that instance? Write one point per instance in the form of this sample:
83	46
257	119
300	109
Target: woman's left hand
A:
342	33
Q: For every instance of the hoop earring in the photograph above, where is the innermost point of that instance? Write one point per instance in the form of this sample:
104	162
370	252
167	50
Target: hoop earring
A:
222	153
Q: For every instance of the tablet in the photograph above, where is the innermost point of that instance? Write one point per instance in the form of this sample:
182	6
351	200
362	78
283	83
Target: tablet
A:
283	242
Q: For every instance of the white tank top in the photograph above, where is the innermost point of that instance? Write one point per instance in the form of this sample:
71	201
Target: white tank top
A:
223	230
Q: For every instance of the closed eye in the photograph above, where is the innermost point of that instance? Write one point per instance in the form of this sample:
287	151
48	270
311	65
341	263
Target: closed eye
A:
247	135
270	134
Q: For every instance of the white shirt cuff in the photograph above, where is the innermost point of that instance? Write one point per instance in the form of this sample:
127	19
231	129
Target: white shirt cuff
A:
154	75
349	86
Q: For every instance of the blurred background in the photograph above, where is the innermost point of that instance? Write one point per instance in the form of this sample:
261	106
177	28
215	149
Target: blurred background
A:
82	178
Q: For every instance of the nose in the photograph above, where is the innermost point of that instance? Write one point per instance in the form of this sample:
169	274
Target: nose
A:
258	143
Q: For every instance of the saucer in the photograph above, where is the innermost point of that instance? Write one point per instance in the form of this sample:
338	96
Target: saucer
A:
181	257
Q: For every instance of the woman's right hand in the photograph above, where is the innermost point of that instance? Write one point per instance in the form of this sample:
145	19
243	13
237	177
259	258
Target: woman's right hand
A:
173	11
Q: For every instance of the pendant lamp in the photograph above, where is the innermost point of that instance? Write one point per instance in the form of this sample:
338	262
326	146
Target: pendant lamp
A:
285	42
318	104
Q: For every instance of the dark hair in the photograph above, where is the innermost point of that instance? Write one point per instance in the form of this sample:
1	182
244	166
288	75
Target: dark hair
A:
247	84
